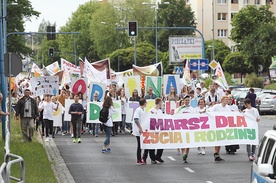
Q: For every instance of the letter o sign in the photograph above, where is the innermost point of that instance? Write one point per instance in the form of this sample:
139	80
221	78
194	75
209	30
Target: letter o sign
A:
79	86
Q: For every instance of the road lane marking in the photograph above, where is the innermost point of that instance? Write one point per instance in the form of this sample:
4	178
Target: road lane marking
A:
171	158
68	143
189	170
209	181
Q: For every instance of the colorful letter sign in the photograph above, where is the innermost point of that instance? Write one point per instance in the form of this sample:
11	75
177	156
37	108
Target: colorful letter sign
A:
156	83
97	88
171	80
131	83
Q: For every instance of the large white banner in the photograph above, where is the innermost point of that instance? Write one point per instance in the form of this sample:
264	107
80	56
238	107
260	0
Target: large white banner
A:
198	130
181	48
45	85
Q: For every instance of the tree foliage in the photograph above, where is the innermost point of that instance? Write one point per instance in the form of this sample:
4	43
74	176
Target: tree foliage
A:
235	62
175	14
79	22
254	29
17	15
221	50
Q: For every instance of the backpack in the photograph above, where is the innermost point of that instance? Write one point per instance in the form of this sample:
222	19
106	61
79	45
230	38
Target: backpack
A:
104	115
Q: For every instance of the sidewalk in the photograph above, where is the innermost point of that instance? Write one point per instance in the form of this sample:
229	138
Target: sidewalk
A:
59	167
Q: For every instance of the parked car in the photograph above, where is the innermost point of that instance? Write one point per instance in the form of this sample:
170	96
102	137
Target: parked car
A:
268	104
264	167
259	98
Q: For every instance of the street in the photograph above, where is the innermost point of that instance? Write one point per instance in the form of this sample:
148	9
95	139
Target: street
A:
87	164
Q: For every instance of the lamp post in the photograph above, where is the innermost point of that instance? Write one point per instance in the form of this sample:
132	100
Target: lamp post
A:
156	5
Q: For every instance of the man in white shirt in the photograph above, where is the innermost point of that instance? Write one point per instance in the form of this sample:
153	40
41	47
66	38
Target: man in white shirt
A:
212	98
249	109
137	128
202	87
222	107
219	92
157	111
186	109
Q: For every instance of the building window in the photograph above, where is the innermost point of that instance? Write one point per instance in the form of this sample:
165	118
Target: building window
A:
233	48
188	2
232	15
257	1
245	1
222	16
234	1
222	1
269	1
222	32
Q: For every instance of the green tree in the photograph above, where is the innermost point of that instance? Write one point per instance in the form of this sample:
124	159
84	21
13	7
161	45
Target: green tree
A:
17	15
221	50
145	55
175	14
43	53
235	62
254	30
79	22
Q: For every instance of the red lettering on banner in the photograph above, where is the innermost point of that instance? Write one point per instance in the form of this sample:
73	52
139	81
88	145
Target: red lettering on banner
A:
231	121
241	121
75	88
221	121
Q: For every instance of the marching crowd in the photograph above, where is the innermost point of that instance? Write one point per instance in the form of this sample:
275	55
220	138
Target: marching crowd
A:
33	111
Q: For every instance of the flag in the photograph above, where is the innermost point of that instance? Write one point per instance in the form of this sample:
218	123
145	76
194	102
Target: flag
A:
53	68
81	63
151	70
186	78
220	77
103	68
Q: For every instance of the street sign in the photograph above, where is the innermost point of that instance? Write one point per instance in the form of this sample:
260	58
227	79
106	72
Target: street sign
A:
16	64
213	64
198	64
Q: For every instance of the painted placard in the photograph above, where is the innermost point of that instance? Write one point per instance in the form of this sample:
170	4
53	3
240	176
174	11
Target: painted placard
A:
132	106
155	82
170	107
97	88
45	85
169	81
57	115
80	85
131	83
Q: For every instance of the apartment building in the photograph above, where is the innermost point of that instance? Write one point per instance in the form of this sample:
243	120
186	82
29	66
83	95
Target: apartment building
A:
224	10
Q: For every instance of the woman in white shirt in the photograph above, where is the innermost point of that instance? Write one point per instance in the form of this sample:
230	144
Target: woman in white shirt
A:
48	108
108	103
124	100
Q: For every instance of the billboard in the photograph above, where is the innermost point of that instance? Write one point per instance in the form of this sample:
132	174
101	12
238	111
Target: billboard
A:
183	48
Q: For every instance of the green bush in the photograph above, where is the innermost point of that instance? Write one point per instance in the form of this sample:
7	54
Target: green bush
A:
252	80
270	87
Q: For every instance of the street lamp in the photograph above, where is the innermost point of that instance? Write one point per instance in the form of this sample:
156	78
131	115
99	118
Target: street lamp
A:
156	5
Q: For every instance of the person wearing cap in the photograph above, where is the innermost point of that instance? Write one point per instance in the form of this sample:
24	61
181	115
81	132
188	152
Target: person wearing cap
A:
27	111
2	113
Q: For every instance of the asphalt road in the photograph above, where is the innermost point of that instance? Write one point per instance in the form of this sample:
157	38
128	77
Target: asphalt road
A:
87	164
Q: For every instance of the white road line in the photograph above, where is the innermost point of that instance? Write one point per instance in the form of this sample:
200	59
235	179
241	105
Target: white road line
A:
209	181
171	158
68	143
189	170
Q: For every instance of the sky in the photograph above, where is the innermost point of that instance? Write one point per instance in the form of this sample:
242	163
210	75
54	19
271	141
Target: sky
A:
58	11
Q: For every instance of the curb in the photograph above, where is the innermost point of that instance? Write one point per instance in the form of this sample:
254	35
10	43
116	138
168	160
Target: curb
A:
59	167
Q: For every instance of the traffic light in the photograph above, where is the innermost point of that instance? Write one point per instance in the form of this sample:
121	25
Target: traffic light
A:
51	32
132	29
51	52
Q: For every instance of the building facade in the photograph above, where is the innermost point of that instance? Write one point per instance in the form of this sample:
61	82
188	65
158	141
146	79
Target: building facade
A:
218	14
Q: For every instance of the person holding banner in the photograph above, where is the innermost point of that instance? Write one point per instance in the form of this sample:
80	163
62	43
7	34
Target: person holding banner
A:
27	111
137	128
253	111
76	110
201	109
150	94
61	98
124	100
94	127
113	96
108	103
222	107
157	111
172	95
48	108
186	109
135	96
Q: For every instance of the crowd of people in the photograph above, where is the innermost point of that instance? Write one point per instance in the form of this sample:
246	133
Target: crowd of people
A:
33	111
